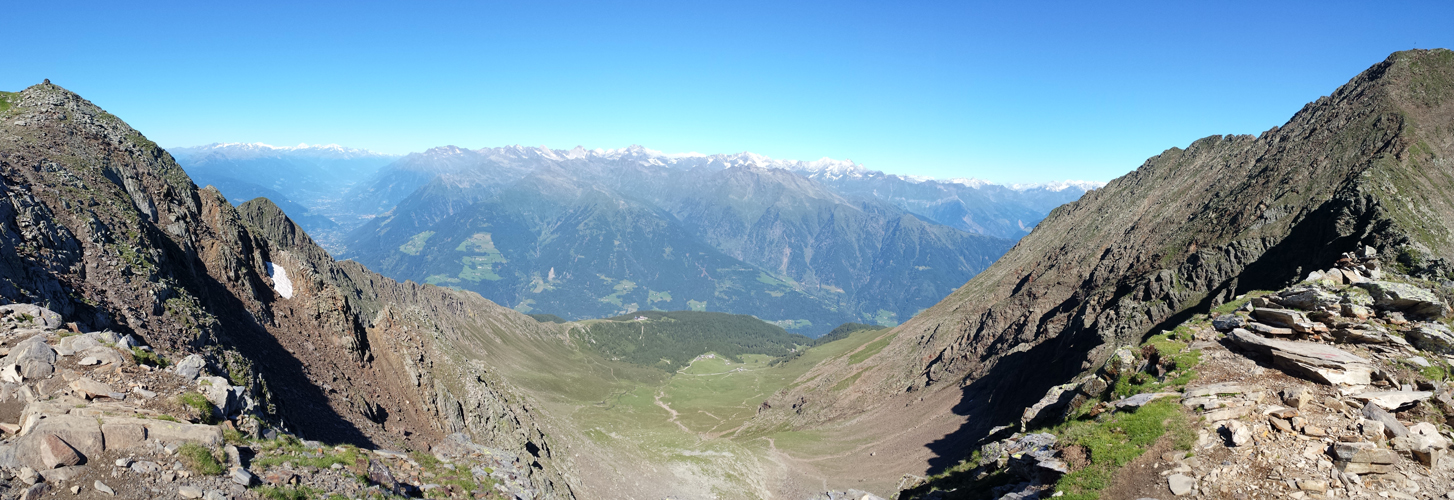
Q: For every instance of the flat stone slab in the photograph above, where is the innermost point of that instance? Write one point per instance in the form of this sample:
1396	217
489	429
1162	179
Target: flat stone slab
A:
1393	400
1215	389
1318	362
1269	330
1140	400
1286	318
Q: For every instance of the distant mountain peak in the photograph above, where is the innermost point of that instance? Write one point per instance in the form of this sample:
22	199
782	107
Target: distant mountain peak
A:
241	150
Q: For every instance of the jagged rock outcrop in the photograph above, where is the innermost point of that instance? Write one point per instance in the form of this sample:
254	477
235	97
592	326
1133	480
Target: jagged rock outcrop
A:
1367	166
99	225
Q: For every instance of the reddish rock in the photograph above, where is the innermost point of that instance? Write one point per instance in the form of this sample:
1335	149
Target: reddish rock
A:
55	452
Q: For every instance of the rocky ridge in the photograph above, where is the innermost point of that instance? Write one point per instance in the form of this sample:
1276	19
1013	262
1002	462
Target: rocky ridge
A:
1345	393
100	226
1188	231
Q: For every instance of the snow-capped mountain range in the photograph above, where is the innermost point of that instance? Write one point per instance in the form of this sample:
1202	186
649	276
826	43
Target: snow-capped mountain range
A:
249	150
825	168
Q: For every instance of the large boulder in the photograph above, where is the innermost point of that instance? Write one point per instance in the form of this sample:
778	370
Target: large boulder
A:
1393	400
1404	297
1226	322
1286	318
1121	363
1361	333
1317	362
1364	458
32	358
190	367
1432	337
29	315
77	343
1308	299
1057	397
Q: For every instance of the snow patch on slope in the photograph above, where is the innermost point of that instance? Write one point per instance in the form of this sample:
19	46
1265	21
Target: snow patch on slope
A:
281	283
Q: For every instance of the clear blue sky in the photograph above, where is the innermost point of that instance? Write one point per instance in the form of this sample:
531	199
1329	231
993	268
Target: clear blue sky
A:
1007	91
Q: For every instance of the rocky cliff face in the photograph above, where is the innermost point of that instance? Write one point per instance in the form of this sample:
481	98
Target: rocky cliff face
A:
1186	231
100	225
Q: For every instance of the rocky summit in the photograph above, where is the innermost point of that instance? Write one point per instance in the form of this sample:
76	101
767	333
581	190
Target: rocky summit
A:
160	342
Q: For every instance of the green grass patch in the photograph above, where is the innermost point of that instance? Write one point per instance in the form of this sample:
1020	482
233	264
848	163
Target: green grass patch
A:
1168	345
143	357
1236	304
480	267
1117	441
1436	371
202	409
289	449
288	492
435	279
869	350
848	382
843	331
234	437
416	244
199	459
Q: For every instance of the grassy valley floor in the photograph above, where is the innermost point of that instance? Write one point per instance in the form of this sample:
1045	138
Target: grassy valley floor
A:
641	432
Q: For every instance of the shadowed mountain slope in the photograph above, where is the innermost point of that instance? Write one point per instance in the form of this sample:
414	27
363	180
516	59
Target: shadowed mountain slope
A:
1189	229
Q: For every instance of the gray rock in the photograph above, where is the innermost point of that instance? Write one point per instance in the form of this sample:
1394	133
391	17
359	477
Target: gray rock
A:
1391	426
1308	299
35	492
28	475
1180	484
190	367
1318	362
1269	330
108	336
145	467
1432	337
38	317
1056	398
1363	458
1142	399
1285	318
77	343
1405	297
1122	362
1295	397
1361	333
189	492
218	391
1393	400
243	477
101	487
379	474
32	357
1355	311
63	474
214	495
1226	322
1214	389
1236	432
